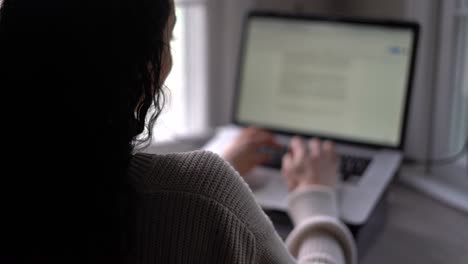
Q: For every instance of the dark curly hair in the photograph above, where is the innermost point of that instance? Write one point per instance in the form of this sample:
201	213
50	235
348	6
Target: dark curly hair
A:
81	75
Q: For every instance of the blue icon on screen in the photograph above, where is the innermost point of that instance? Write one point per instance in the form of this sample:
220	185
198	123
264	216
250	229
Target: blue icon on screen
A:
395	50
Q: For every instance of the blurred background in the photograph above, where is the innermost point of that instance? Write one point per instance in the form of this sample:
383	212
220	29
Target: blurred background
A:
206	47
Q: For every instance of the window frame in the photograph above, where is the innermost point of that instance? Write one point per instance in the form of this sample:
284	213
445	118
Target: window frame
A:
445	129
459	130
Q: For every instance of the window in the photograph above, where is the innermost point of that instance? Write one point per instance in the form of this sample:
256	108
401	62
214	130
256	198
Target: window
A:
185	108
460	131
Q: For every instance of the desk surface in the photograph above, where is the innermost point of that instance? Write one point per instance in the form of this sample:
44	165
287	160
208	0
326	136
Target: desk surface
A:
420	230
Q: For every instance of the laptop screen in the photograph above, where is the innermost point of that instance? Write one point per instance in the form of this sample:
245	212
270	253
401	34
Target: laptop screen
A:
337	79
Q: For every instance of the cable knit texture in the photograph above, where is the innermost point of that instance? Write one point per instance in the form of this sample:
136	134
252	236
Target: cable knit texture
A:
195	208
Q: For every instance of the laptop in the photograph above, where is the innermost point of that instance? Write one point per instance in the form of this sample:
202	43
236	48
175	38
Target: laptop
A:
343	79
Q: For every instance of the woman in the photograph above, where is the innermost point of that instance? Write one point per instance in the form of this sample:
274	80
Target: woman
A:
82	75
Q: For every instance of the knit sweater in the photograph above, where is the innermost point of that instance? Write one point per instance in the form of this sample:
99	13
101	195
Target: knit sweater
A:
195	208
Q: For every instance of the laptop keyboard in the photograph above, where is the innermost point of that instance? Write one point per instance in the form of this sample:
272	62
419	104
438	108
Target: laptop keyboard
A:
353	166
350	166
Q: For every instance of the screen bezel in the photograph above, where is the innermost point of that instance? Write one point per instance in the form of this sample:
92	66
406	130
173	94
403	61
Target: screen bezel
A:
412	26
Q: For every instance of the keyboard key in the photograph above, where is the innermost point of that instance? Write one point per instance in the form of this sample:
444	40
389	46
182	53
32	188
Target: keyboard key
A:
353	166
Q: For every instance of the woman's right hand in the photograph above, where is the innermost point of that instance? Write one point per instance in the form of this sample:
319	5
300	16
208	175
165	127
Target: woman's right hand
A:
311	163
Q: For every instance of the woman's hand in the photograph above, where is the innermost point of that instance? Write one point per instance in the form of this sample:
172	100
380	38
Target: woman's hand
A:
244	152
311	163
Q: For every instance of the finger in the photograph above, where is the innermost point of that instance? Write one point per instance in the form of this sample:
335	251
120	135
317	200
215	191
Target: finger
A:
297	149
266	140
261	137
292	184
249	131
259	131
329	150
274	144
261	158
287	163
315	149
287	166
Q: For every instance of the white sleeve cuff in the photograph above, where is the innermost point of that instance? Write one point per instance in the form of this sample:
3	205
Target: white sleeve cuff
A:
316	200
327	225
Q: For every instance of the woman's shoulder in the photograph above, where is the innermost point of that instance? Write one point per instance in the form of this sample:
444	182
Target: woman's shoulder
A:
196	171
207	181
203	186
200	173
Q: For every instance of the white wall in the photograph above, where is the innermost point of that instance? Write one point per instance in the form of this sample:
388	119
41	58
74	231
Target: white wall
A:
225	26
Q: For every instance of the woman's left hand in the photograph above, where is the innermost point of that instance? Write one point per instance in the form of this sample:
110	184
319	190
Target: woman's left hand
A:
244	152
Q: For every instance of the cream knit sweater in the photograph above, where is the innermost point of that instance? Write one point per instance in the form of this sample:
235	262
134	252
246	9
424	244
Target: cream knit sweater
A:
195	208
